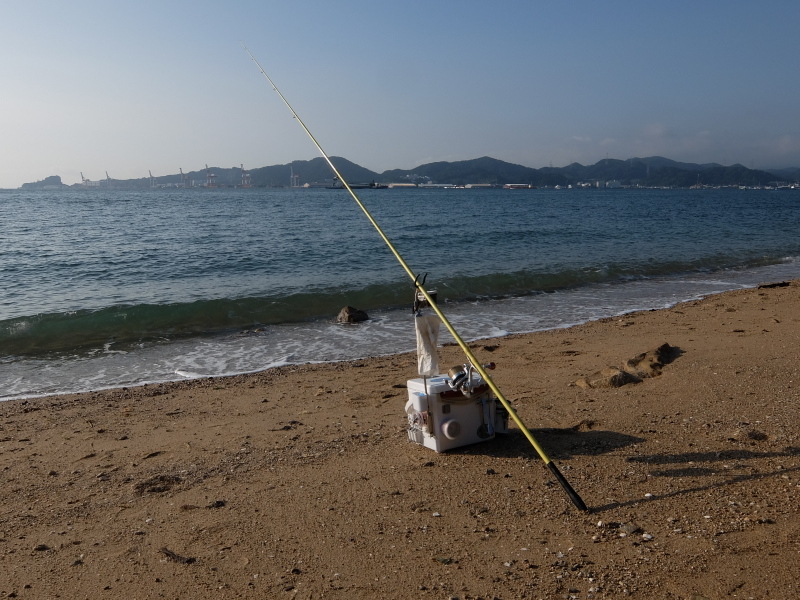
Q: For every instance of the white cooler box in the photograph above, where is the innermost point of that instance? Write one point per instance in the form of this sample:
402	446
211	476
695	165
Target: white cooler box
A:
445	418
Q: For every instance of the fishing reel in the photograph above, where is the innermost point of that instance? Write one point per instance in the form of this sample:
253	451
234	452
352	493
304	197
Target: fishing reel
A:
461	378
420	301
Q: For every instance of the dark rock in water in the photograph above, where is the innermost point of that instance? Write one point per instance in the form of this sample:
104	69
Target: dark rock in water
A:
351	315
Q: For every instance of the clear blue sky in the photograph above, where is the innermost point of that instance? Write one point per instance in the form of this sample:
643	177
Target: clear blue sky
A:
127	87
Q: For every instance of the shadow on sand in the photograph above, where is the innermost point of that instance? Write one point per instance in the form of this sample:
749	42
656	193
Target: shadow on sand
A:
557	443
689	458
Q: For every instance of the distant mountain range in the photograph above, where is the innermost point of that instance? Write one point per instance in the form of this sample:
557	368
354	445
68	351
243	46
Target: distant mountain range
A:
654	171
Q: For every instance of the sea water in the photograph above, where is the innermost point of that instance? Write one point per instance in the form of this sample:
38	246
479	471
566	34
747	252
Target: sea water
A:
107	288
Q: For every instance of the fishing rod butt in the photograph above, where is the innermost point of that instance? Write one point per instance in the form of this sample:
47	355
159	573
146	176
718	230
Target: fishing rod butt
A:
573	495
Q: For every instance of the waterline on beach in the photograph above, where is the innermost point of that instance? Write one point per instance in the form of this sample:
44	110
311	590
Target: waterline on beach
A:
387	332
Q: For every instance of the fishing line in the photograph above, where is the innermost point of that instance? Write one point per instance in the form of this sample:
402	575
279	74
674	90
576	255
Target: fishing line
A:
573	495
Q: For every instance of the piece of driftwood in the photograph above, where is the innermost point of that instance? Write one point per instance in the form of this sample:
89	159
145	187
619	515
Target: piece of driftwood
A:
766	286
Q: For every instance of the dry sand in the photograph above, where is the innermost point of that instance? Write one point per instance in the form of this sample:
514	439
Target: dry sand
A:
299	482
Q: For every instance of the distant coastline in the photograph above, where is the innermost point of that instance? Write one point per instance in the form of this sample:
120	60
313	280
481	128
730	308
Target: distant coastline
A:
652	172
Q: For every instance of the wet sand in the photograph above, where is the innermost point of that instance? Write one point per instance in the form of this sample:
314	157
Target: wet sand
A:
300	482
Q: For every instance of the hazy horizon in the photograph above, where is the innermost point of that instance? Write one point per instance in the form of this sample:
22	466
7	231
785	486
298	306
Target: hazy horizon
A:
132	88
217	168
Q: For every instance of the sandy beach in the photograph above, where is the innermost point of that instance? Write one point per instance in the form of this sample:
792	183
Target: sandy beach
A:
300	482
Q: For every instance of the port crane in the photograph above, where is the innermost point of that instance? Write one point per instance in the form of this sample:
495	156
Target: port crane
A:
211	178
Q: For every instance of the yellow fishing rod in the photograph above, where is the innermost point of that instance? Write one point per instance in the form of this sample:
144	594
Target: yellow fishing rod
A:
576	499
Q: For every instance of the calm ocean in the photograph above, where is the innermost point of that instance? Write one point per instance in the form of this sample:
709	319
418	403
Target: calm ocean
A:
102	289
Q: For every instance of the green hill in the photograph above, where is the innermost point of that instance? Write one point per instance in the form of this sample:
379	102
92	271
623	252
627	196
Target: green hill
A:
310	171
54	181
479	170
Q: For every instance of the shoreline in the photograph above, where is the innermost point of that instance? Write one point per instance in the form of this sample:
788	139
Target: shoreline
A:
299	481
387	333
